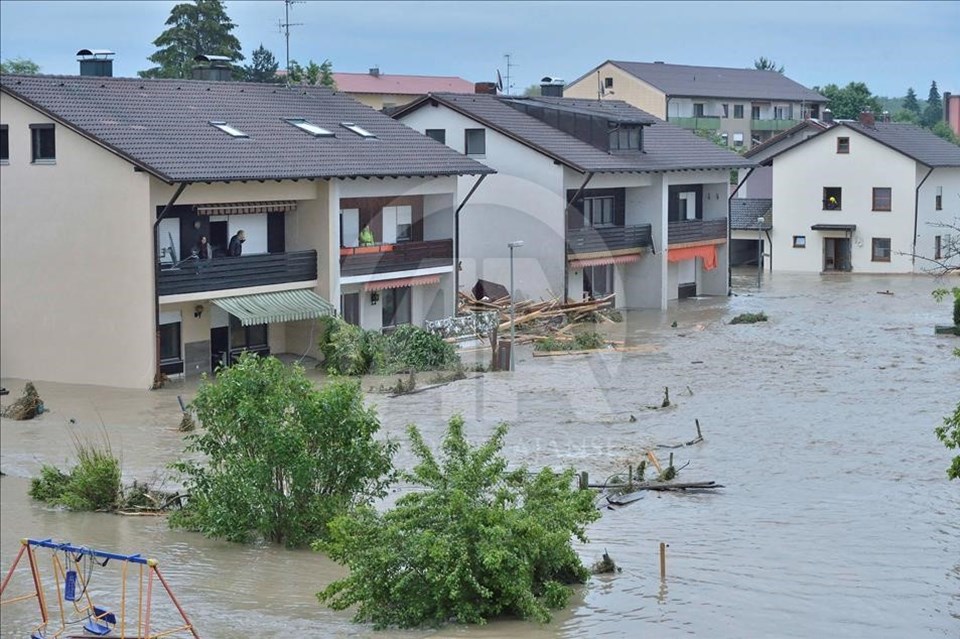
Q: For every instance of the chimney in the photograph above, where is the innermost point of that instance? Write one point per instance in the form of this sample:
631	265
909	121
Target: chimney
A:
96	62
375	72
867	119
212	67
551	87
828	116
485	88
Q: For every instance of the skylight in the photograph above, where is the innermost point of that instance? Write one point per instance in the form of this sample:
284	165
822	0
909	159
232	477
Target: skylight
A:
229	129
359	130
309	127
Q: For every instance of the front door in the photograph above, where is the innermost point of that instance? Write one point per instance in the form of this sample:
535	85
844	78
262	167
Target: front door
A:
219	347
836	254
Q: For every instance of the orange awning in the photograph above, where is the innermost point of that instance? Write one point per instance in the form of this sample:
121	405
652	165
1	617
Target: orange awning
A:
601	261
423	280
707	253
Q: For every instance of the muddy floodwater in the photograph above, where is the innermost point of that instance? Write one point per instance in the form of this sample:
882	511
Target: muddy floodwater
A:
837	519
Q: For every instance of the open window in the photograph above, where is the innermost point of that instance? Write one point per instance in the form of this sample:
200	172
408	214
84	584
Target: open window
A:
832	198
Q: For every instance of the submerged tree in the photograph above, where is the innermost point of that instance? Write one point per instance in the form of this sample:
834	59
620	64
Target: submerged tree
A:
473	542
202	27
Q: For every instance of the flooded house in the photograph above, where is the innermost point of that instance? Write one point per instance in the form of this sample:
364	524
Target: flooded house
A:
123	203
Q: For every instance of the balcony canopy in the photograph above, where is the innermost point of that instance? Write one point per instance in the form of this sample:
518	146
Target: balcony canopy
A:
241	208
279	306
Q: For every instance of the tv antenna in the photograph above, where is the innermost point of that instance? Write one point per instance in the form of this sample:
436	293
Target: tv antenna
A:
510	65
285	28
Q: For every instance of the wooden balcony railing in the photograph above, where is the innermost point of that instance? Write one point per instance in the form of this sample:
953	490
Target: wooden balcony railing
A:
402	256
195	276
696	231
607	238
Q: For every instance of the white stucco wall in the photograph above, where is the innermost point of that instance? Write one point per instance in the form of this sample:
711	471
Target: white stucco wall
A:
76	281
945	181
799	176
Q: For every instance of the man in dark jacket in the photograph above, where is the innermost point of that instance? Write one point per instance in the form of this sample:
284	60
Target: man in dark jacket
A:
236	244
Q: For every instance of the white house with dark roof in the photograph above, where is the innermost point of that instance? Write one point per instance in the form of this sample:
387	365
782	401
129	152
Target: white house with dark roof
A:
745	107
866	197
607	198
108	185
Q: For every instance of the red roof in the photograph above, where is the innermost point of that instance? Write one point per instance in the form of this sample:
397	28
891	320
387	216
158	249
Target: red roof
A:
400	84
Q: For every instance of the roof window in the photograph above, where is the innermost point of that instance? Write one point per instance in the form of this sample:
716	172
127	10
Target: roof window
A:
359	130
309	127
229	129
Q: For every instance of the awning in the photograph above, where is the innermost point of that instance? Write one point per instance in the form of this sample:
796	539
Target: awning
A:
242	208
279	306
849	228
601	261
423	280
707	253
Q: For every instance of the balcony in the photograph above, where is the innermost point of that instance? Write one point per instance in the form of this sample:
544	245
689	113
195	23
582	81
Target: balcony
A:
388	258
703	123
221	273
771	125
688	231
607	238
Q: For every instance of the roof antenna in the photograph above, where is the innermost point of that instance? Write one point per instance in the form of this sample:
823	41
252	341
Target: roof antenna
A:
285	29
510	65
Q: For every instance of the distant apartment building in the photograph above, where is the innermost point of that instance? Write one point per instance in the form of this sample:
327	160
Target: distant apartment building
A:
745	107
384	91
951	111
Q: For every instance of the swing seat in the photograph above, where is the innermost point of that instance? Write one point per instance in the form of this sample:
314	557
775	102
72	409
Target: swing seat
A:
101	622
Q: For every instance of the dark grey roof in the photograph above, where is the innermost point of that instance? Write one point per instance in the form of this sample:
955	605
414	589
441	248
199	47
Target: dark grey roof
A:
786	139
164	127
667	147
613	110
744	212
719	82
913	141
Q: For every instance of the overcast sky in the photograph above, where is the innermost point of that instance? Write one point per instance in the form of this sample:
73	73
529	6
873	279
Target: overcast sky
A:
888	45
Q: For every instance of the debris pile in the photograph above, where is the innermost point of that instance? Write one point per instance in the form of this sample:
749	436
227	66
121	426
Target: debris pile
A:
27	407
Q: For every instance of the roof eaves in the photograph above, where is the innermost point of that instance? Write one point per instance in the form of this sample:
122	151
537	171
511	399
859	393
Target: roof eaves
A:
591	72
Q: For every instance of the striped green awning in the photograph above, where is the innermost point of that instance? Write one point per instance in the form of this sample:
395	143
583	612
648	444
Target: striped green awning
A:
280	306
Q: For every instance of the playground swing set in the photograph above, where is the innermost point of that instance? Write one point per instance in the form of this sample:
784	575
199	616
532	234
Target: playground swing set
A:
73	568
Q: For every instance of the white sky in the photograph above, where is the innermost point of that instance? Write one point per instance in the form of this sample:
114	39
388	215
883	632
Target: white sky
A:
888	45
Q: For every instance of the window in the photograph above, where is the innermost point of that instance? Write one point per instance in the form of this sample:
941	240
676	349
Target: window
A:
625	138
395	306
737	111
440	135
937	248
726	110
939	200
832	198
247	337
698	110
43	143
597	281
310	127
783	112
230	130
404	223
475	141
799	241
608	83
725	137
359	130
754	113
882	198
881	249
738	139
843	145
170	343
4	143
397	223
598	211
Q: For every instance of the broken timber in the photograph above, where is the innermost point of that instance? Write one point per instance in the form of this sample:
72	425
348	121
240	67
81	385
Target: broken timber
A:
661	486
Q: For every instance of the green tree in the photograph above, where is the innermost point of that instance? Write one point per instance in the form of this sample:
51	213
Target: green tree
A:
202	27
943	130
910	102
949	431
473	542
282	457
762	64
933	112
905	115
312	74
846	103
19	66
263	66
532	91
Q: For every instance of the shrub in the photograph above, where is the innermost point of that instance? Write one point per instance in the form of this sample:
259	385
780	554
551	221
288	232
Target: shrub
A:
581	342
93	484
412	348
50	485
283	457
749	318
350	350
475	543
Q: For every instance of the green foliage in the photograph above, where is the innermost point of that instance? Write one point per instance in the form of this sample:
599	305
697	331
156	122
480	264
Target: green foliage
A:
201	27
903	115
749	318
410	347
473	542
910	103
93	484
19	66
933	112
350	350
282	456
846	103
949	431
532	91
581	342
943	130
263	67
713	136
50	485
313	74
762	64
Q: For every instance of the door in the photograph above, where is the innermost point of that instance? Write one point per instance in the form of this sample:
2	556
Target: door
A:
350	227
686	278
219	346
836	254
350	303
218	238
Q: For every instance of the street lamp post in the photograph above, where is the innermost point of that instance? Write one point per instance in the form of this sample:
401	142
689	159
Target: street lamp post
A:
512	245
759	249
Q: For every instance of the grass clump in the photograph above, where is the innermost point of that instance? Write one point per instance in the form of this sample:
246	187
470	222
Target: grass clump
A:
92	484
749	318
586	341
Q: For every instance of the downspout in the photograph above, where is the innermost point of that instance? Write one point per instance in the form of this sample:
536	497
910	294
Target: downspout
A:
456	242
916	216
730	234
566	212
770	245
156	281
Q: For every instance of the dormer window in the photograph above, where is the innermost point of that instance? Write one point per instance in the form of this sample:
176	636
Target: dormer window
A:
230	130
359	130
309	127
626	138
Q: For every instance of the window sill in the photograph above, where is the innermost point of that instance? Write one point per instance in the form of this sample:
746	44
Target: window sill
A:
478	156
4	162
881	210
45	162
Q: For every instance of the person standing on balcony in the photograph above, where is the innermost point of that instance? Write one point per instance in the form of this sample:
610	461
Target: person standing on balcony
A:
366	236
236	244
202	249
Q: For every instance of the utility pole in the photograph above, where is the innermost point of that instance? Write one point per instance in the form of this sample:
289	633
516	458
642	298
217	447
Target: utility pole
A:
285	27
509	66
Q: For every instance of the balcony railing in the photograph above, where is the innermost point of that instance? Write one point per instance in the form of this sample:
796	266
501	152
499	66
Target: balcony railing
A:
696	231
607	238
771	125
195	276
702	123
402	256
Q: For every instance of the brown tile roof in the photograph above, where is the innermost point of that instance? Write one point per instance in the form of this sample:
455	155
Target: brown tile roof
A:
164	127
390	84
